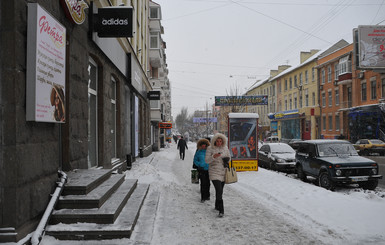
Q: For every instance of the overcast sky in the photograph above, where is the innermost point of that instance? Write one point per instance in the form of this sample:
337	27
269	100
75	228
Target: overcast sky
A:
214	46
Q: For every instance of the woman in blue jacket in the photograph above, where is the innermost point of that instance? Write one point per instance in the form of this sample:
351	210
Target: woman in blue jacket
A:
203	168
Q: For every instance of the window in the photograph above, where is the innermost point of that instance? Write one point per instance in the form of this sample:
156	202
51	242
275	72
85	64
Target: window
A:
300	99
337	118
307	97
323	76
329	74
383	88
330	117
295	81
113	118
290	103
337	96
92	114
324	123
285	102
306	77
363	91
300	79
330	100
373	90
312	74
295	100
154	40
285	84
279	87
154	13
336	71
313	98
345	65
323	99
290	83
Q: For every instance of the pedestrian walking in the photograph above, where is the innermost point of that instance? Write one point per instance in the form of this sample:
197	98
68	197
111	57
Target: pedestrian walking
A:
203	168
182	146
217	167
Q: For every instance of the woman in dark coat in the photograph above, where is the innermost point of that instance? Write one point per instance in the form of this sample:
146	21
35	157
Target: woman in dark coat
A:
203	168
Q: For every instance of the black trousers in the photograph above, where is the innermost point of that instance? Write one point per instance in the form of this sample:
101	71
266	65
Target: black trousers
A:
205	184
181	154
219	185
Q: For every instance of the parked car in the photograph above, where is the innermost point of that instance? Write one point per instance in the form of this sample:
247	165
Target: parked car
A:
335	161
272	139
367	146
276	156
294	143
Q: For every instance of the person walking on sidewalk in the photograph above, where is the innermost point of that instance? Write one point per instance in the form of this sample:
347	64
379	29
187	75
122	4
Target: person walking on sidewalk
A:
182	146
203	168
217	169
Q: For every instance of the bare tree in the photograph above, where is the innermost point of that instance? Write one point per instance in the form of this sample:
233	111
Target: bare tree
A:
181	120
236	91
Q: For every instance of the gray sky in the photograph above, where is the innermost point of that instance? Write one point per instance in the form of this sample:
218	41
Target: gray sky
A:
214	46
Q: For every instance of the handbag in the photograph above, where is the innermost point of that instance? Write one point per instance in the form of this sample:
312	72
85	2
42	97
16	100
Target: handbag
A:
231	175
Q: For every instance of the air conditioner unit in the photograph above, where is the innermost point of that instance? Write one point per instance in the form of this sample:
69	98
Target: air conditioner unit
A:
361	75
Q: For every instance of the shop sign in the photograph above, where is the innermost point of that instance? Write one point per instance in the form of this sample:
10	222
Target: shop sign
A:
286	114
241	100
113	22
205	119
165	125
46	67
153	95
74	10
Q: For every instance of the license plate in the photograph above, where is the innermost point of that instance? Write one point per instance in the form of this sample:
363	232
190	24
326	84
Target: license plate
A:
357	179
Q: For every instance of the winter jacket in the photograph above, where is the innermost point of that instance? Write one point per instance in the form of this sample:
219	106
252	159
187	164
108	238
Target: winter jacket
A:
200	154
182	145
216	167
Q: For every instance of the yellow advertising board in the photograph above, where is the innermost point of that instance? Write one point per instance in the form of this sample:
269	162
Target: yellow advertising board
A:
245	165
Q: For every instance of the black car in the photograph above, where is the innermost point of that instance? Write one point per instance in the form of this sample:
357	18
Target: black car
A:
294	143
335	161
276	156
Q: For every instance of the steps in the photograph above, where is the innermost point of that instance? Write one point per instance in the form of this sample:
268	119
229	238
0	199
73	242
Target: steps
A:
97	204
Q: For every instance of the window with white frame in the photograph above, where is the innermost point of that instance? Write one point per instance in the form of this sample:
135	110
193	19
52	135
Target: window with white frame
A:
154	13
345	65
290	103
329	74
300	79
323	76
323	122
336	71
154	40
295	100
300	99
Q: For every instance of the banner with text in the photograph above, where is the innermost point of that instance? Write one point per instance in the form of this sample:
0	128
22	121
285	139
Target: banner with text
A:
241	100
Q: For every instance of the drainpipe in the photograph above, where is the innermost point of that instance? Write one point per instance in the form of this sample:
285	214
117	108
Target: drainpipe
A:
37	235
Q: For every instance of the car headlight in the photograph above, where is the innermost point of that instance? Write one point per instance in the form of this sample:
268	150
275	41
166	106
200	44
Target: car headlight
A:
338	172
280	160
374	171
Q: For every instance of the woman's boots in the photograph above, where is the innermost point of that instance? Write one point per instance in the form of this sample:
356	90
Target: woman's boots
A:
219	207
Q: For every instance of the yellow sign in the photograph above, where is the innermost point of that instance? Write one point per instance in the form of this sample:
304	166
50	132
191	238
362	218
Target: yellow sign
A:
245	165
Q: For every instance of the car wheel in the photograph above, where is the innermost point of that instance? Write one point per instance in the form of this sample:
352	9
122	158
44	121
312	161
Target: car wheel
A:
369	185
273	166
300	173
326	182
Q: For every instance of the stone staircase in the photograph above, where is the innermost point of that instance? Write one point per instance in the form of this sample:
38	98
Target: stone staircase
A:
97	204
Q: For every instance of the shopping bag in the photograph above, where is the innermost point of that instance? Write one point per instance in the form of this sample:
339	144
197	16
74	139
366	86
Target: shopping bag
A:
231	175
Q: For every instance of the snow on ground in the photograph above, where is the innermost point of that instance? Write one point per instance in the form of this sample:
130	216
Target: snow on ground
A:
263	207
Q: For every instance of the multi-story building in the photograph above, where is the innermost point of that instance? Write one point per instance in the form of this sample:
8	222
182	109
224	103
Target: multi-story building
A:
93	109
160	108
351	100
